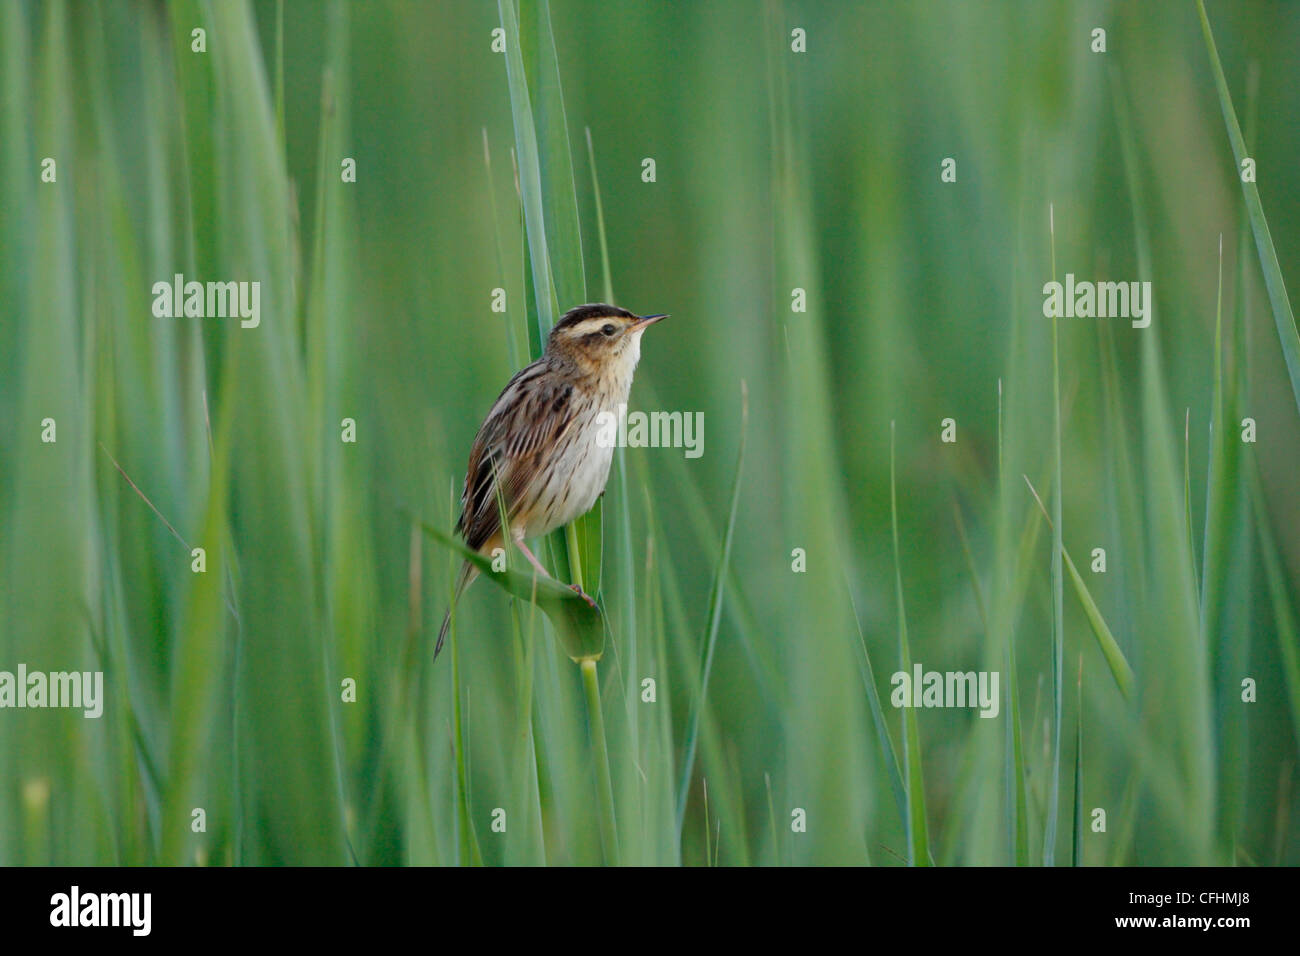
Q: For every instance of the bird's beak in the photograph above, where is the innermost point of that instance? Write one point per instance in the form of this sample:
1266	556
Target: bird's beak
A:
645	320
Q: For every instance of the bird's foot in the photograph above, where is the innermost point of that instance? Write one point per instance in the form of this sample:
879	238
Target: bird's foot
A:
583	594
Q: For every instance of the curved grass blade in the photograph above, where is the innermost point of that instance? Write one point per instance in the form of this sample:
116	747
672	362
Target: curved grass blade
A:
1283	317
1119	666
887	750
578	625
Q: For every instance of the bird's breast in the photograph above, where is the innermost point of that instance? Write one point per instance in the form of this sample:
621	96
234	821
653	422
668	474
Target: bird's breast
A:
577	474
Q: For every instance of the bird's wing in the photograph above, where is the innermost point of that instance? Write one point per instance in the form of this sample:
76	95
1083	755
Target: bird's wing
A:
513	445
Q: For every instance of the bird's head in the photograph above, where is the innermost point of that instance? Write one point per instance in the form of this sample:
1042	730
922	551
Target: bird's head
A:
600	338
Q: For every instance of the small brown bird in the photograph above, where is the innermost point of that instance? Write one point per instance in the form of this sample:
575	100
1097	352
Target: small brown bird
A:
537	450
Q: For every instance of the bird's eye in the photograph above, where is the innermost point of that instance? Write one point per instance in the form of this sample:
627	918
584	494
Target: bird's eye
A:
609	330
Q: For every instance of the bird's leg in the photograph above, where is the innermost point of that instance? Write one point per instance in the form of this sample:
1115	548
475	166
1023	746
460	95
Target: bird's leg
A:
532	559
591	601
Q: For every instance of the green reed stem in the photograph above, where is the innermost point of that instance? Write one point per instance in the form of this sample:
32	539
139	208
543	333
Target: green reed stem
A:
575	555
604	785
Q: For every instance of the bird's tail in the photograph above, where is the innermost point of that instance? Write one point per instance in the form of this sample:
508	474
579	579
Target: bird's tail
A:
468	572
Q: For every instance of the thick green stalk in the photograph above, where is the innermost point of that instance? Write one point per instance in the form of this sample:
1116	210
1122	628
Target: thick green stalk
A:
604	784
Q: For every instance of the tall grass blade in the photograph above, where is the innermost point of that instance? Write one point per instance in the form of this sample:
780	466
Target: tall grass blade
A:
1284	615
716	594
1058	585
1076	846
1176	701
290	787
887	751
600	748
530	174
918	839
555	158
1283	317
1115	659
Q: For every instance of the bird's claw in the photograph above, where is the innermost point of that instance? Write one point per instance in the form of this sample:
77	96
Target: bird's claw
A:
583	594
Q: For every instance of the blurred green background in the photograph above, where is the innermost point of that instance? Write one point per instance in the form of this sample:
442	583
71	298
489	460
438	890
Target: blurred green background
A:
775	170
